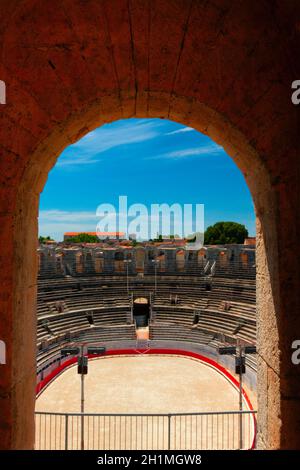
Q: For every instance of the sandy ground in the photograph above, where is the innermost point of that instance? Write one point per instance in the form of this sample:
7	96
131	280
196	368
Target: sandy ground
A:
142	384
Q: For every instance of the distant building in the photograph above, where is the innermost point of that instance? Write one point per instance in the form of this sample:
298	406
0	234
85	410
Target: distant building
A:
250	241
100	235
49	242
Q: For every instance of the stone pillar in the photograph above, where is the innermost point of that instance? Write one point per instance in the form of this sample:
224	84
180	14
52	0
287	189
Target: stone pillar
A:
18	276
278	322
89	263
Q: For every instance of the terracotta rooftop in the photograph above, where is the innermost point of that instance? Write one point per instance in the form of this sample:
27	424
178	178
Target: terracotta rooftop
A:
108	234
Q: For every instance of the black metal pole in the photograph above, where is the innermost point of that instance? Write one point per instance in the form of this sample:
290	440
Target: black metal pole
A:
241	400
82	400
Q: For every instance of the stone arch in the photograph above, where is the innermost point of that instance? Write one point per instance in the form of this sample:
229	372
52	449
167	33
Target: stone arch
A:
216	70
201	257
161	259
140	260
59	258
244	258
223	258
119	266
35	176
99	261
79	262
180	260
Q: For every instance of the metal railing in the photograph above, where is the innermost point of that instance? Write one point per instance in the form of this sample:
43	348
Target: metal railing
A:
176	431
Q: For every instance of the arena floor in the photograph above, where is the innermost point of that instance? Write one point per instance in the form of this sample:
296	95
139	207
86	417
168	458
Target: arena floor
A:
144	384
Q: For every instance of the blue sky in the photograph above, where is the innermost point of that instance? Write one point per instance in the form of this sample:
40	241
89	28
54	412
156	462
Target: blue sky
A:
150	161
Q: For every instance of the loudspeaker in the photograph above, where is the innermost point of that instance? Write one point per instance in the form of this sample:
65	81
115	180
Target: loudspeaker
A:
82	365
240	365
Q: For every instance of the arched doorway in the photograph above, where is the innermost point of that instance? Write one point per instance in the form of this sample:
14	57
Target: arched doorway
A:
107	60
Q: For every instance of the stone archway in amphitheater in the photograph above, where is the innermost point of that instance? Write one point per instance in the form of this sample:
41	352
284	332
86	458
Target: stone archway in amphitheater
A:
223	67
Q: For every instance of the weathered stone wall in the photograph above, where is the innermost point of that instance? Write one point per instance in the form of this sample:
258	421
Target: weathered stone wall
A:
191	263
224	67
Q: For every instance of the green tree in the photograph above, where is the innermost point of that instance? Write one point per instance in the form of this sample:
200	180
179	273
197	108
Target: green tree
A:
44	239
223	233
84	238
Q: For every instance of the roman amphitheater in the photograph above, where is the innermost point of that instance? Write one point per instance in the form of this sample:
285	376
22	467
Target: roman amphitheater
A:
161	314
223	67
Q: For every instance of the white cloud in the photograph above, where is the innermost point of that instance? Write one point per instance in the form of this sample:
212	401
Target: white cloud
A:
107	137
83	160
56	222
56	215
190	152
179	131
